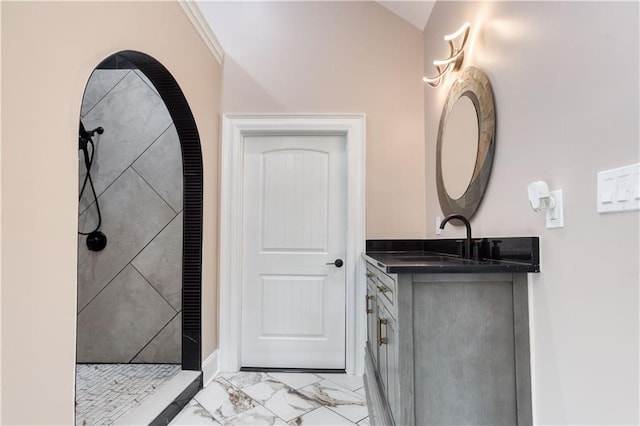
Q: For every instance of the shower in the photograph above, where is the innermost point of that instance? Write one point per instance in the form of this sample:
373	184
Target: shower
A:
96	240
136	156
130	181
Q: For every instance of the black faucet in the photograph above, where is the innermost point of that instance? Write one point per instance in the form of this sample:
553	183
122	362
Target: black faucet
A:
467	243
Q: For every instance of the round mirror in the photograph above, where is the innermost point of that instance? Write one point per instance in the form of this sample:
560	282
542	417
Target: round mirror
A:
460	147
464	151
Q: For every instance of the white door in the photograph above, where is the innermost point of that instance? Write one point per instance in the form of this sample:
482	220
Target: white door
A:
294	228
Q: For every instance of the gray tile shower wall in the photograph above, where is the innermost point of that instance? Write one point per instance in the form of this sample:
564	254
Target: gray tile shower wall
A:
129	294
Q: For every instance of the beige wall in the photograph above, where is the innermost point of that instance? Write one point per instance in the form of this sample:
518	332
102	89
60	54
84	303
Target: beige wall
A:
565	79
49	49
0	217
336	57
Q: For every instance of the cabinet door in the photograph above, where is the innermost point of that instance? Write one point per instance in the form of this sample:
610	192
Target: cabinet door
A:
372	315
381	347
389	331
388	357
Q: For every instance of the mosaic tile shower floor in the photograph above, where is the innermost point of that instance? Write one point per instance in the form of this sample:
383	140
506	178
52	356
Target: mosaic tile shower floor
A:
105	392
278	399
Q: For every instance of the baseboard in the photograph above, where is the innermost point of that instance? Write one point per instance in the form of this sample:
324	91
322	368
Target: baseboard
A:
210	368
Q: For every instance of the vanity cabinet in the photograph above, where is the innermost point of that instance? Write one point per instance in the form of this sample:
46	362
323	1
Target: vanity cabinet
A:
447	348
383	346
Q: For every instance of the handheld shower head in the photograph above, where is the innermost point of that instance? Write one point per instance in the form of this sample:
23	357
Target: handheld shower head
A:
96	240
87	134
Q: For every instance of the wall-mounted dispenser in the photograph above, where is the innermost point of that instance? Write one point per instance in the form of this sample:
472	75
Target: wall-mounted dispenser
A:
541	199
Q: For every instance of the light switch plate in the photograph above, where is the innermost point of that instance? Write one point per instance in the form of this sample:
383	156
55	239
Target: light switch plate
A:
619	189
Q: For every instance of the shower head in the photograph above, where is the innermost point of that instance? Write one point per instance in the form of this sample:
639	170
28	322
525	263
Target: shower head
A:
89	133
85	135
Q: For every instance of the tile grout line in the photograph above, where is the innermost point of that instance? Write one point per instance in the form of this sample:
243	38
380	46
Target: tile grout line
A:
153	189
136	158
101	401
153	89
340	386
272	378
152	286
98	193
124	267
130	166
275	415
98	293
298	390
104	96
153	141
259	404
154	336
98	196
154	237
355	423
140	155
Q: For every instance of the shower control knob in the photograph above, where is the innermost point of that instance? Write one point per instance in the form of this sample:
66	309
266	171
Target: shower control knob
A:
96	241
337	263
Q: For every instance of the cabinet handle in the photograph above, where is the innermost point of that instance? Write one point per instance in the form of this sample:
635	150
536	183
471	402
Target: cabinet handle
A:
370	274
382	289
366	302
381	340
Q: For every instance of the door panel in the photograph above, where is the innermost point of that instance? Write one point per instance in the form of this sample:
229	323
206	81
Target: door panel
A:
294	221
293	306
294	187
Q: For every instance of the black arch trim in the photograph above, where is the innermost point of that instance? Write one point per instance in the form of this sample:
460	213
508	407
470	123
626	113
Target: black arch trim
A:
185	124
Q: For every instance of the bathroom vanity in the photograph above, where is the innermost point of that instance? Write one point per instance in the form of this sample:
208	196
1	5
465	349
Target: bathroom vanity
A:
447	337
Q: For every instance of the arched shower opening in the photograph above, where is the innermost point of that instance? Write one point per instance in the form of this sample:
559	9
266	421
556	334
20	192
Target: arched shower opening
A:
162	215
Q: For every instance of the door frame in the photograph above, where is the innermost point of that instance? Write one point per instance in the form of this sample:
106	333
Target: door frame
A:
234	128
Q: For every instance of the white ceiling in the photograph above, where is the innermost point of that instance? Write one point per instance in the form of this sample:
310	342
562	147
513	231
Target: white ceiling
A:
415	12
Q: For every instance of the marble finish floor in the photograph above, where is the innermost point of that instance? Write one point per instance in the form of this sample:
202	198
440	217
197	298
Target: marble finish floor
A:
278	399
105	392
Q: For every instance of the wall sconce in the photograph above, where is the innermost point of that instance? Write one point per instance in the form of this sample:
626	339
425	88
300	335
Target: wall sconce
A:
541	199
456	56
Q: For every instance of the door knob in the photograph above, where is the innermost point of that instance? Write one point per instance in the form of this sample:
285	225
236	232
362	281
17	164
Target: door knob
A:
338	263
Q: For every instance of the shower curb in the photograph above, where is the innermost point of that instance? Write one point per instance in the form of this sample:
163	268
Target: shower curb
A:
161	407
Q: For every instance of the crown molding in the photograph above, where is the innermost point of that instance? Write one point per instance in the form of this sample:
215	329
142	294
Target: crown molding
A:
194	14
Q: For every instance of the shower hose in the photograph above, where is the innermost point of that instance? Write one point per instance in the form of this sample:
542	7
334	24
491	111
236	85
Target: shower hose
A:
96	240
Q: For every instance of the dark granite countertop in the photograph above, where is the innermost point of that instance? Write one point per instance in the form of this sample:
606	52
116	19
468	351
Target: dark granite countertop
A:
509	254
